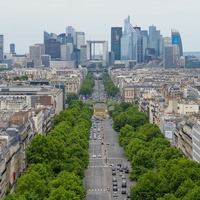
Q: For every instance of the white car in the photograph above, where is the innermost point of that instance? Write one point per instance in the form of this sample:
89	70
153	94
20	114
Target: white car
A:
94	156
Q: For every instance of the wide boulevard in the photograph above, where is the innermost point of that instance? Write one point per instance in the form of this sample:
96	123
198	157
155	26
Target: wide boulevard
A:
105	154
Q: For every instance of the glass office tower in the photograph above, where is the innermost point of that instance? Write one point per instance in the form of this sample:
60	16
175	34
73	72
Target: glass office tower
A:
176	39
1	48
116	34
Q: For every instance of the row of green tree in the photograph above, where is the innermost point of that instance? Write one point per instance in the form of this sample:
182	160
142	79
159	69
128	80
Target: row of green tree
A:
88	84
110	88
57	162
20	78
161	171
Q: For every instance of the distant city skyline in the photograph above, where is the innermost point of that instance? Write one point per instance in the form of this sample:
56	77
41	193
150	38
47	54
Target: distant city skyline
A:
23	23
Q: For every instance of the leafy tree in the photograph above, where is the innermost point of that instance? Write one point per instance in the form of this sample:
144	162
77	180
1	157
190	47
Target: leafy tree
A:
72	96
70	182
193	194
25	77
62	194
168	197
32	186
149	187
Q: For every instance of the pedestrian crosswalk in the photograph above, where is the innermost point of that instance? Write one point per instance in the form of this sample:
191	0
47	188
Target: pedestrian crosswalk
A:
97	190
108	158
100	190
92	166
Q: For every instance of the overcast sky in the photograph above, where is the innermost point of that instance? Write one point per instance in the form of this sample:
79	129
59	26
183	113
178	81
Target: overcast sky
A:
23	21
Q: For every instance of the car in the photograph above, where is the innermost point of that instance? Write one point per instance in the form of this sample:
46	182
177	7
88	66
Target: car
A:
123	191
123	176
115	194
114	179
94	156
120	174
113	173
127	171
121	169
123	184
107	143
102	143
99	156
115	188
128	195
112	165
114	183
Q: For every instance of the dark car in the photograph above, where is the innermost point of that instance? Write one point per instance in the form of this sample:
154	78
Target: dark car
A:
113	173
127	171
114	183
123	184
121	169
123	191
115	188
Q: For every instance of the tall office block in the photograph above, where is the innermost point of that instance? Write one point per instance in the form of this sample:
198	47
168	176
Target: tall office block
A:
176	39
12	48
70	35
46	36
167	41
35	55
80	39
52	48
62	38
154	39
129	46
83	59
70	49
63	52
1	48
129	41
168	56
161	49
116	34
46	61
42	47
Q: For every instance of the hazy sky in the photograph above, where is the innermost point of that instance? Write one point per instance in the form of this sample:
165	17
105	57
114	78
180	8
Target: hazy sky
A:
23	21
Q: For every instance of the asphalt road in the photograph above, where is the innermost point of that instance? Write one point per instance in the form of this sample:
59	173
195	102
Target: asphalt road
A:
98	176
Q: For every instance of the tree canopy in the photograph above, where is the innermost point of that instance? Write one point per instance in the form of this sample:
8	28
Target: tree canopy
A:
161	171
58	161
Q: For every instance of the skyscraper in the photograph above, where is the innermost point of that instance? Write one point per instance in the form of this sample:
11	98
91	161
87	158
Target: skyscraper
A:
35	55
46	36
129	41
62	38
168	56
176	39
12	48
116	34
154	37
52	48
80	39
70	35
1	48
